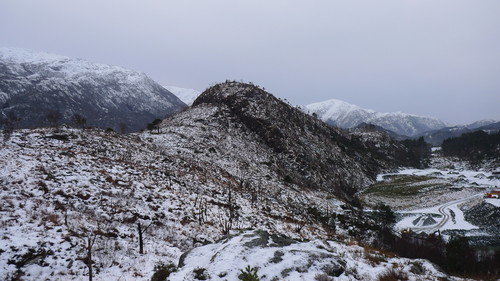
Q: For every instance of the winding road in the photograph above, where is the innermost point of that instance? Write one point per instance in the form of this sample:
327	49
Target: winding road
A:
445	216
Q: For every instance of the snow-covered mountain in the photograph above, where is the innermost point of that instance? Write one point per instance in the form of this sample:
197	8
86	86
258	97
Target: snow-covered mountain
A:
32	84
481	123
345	115
186	95
436	137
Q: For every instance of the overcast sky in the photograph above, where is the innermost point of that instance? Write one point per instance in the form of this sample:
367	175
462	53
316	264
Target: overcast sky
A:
437	58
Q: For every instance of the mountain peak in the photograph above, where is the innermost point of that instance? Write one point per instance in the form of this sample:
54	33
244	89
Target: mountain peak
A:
35	83
306	149
332	105
230	92
184	94
480	123
29	56
58	65
345	115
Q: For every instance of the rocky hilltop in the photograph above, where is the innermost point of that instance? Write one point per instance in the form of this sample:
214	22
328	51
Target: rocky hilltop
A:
300	148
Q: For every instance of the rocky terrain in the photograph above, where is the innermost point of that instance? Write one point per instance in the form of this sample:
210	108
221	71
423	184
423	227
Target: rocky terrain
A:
485	215
300	149
61	191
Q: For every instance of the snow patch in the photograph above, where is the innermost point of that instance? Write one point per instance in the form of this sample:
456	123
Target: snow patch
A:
185	95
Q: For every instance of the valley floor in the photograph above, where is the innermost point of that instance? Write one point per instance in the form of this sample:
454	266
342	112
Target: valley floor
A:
436	199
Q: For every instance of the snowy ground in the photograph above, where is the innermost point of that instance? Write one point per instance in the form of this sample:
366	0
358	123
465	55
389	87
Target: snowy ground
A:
463	178
55	194
443	209
494	202
447	217
277	258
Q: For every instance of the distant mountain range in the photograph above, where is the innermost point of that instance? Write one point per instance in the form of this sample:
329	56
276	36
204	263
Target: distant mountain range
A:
436	137
398	125
32	84
345	115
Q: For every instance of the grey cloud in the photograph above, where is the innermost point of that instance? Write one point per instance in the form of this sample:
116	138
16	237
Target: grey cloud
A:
437	58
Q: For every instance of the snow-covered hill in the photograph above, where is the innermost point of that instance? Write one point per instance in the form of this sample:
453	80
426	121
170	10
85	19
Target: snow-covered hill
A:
342	114
186	95
304	150
32	84
61	191
238	159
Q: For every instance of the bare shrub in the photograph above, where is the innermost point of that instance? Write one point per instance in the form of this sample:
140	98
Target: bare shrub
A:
393	275
322	277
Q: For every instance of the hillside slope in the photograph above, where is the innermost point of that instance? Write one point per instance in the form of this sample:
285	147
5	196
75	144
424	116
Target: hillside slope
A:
238	159
32	84
436	137
59	191
301	149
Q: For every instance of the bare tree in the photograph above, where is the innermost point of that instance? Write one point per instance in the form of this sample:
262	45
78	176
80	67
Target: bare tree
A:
231	214
8	124
54	117
79	121
122	126
141	229
89	242
200	205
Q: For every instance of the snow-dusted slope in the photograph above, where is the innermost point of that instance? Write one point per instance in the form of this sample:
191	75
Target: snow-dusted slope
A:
481	123
34	83
184	94
345	115
278	258
308	152
55	195
238	159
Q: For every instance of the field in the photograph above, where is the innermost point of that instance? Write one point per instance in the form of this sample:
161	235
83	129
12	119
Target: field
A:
406	185
415	189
